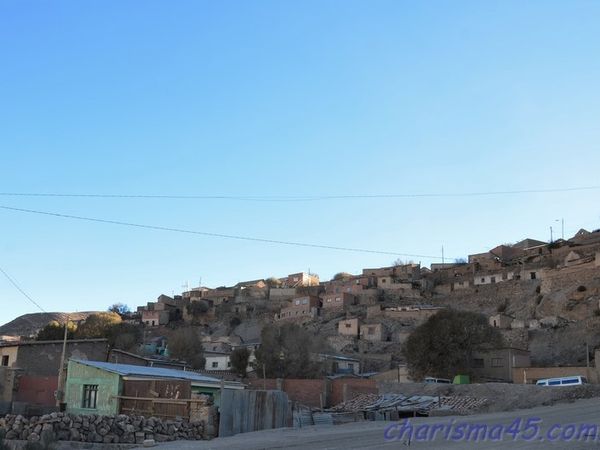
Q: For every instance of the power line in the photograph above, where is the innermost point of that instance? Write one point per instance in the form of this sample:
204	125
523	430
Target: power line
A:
14	283
301	198
220	235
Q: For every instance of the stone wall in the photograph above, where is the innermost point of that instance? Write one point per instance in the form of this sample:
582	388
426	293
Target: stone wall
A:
121	429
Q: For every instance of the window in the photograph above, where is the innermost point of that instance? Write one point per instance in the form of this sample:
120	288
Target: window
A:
532	275
328	300
478	363
493	280
5	360
305	301
348	325
483	280
297	302
228	363
351	366
497	362
338	299
383	280
215	364
90	396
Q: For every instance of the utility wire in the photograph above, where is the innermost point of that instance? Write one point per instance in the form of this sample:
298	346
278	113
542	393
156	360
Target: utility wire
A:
302	198
220	235
14	283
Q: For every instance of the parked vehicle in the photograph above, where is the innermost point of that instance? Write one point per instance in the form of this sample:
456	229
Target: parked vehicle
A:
562	381
437	380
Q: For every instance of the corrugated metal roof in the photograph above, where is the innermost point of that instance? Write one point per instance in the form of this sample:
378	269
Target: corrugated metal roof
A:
149	372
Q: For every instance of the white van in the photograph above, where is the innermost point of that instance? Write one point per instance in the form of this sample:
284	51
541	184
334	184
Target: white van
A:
437	380
562	381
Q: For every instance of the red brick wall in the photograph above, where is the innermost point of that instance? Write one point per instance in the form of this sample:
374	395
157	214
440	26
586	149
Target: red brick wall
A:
355	386
37	390
307	392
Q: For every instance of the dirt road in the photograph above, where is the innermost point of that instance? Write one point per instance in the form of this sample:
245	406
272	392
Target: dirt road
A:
554	431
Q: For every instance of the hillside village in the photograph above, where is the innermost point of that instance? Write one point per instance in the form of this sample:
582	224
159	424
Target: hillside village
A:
543	298
540	295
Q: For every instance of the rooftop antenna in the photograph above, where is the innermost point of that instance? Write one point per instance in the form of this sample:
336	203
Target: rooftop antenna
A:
442	254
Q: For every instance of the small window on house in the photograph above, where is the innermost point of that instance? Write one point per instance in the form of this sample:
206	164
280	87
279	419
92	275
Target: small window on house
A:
532	275
297	302
383	280
153	323
338	299
5	360
90	396
328	300
351	366
305	301
228	363
493	279
497	362
478	363
348	325
215	364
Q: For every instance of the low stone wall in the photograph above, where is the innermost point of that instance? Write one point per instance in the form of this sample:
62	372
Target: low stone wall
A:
121	429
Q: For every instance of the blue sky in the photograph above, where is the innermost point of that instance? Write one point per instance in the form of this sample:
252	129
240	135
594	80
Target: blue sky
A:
284	98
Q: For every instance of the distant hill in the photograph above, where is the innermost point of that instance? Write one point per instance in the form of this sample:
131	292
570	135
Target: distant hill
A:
29	324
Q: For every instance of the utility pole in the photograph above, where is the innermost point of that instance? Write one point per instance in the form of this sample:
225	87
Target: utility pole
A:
61	368
442	254
551	239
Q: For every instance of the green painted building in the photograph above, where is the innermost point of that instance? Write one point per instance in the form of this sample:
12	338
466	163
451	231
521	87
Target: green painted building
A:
95	387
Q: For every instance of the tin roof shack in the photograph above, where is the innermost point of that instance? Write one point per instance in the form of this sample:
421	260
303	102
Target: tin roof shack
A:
95	387
338	364
39	361
498	364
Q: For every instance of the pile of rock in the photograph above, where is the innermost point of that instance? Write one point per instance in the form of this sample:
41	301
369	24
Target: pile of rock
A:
102	429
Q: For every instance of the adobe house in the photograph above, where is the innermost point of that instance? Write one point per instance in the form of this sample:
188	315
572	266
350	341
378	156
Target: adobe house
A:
301	279
500	321
95	387
301	308
154	318
373	332
498	364
338	301
38	364
349	327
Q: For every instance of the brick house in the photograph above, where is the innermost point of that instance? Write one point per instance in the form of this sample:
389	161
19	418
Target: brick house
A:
152	318
301	279
498	364
301	307
338	301
349	327
373	332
